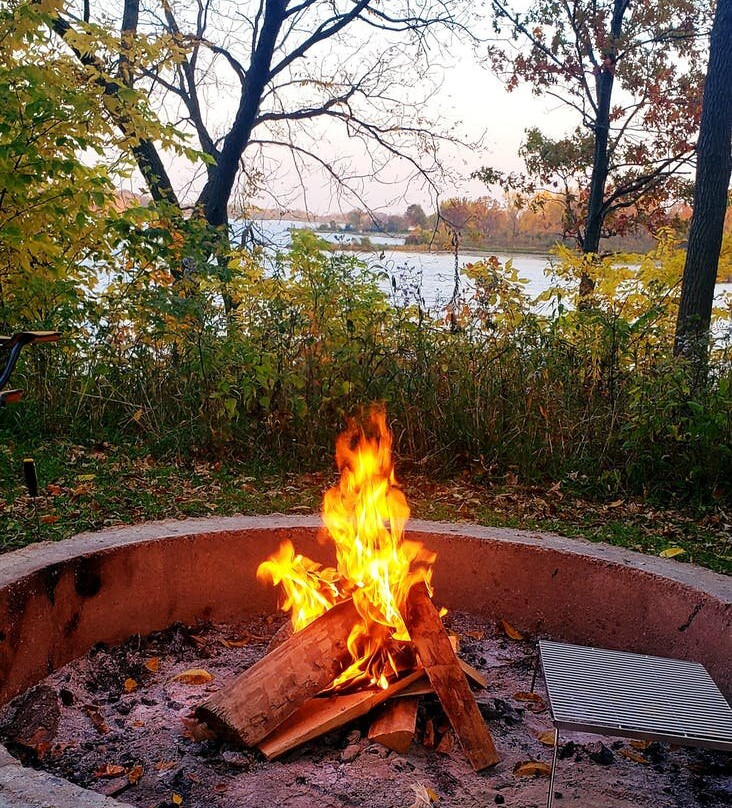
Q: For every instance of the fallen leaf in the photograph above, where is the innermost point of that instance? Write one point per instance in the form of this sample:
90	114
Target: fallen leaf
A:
532	768
547	737
193	777
193	676
672	552
511	631
641	744
49	519
475	635
85	478
236	643
631	755
109	770
219	788
138	723
535	703
424	797
54	490
130	685
153	664
176	799
134	774
164	765
525	695
96	718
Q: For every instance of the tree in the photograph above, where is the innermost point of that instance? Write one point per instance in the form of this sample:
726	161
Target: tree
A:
631	73
415	216
287	66
53	204
714	165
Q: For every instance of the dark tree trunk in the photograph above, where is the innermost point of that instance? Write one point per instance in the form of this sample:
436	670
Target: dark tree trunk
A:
601	156
145	152
600	163
714	164
215	195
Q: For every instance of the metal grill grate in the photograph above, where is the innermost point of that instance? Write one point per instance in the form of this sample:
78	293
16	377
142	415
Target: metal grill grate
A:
634	695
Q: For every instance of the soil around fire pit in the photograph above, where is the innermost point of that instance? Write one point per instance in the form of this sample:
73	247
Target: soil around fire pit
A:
117	721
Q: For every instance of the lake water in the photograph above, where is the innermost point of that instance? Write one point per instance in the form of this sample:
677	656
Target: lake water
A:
433	273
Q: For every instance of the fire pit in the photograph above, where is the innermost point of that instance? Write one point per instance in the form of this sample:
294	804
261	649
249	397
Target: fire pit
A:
501	588
57	601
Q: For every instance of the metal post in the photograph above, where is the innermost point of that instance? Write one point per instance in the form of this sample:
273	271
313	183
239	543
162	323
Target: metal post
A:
536	670
550	796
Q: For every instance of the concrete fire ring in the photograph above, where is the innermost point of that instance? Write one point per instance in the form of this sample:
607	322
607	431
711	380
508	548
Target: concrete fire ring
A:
58	600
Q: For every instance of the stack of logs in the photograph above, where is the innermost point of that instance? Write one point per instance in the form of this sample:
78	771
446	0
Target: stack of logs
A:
275	706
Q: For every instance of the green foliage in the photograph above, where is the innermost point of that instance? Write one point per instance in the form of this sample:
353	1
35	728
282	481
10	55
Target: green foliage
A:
587	394
50	200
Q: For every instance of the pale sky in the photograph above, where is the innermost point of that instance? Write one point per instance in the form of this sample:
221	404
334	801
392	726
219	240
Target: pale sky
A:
470	103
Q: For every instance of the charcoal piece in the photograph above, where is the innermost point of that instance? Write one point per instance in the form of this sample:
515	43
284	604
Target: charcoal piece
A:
495	709
566	750
34	721
599	753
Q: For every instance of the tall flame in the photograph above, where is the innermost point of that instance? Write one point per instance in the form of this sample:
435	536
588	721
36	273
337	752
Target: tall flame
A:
365	515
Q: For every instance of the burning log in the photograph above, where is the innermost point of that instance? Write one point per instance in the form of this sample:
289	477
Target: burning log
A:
320	715
446	675
260	699
395	725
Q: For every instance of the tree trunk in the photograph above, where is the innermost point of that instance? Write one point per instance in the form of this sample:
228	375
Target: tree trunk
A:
215	195
600	163
601	156
714	164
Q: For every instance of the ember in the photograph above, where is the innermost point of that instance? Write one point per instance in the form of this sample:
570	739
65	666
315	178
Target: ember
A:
367	626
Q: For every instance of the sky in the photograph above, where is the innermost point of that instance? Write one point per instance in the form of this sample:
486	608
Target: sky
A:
469	102
472	103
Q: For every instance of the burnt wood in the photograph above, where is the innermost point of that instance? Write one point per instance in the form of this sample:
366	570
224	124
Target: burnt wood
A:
323	714
395	724
250	706
447	678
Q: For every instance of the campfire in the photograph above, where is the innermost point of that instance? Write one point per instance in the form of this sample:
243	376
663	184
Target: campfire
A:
364	634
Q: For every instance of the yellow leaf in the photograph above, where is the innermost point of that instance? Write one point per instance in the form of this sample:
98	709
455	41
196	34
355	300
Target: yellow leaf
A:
193	676
631	755
641	744
134	774
547	737
130	685
525	695
109	770
176	799
532	768
137	415
153	664
672	552
235	643
511	631
85	478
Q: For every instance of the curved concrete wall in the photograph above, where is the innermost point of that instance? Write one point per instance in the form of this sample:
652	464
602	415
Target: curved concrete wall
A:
57	600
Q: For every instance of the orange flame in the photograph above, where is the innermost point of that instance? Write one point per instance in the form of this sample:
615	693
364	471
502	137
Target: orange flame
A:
365	515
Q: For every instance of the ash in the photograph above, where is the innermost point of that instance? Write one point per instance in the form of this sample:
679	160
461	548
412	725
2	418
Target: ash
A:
117	721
